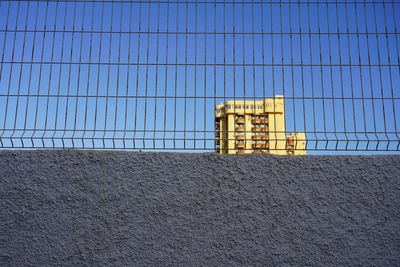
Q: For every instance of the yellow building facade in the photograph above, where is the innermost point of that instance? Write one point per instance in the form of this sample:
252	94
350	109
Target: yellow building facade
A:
244	127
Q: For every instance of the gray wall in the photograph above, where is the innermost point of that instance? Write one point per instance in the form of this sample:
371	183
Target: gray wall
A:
125	208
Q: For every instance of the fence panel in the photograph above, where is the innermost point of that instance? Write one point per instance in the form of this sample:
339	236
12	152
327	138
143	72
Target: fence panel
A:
150	75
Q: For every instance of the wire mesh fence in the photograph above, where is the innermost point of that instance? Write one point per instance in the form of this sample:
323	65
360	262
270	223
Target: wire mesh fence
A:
158	74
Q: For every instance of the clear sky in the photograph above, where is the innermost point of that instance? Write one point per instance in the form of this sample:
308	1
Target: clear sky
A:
149	75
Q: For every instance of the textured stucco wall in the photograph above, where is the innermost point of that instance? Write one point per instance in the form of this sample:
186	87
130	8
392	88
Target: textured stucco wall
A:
98	208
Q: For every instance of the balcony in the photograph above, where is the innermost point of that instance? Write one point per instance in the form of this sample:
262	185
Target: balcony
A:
240	137
259	129
260	151
259	137
217	142
262	120
239	120
290	142
217	126
217	134
240	145
260	145
239	128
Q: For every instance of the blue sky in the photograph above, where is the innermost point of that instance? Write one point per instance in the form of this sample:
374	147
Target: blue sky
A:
151	73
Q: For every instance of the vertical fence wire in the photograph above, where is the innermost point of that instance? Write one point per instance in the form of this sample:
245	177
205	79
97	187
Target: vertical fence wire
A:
148	75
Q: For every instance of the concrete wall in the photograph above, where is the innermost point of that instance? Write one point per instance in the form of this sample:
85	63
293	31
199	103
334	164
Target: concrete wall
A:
143	209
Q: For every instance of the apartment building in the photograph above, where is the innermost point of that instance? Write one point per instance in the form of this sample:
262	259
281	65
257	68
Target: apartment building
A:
250	126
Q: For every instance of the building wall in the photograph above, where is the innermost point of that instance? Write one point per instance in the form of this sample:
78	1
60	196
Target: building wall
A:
98	208
277	133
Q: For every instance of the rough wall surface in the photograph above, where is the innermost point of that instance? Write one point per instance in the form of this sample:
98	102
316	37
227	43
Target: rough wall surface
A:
96	208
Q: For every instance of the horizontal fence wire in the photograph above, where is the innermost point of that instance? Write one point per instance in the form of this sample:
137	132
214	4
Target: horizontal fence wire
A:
148	75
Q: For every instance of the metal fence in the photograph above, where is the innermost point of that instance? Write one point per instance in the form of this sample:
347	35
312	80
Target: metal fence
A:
94	74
